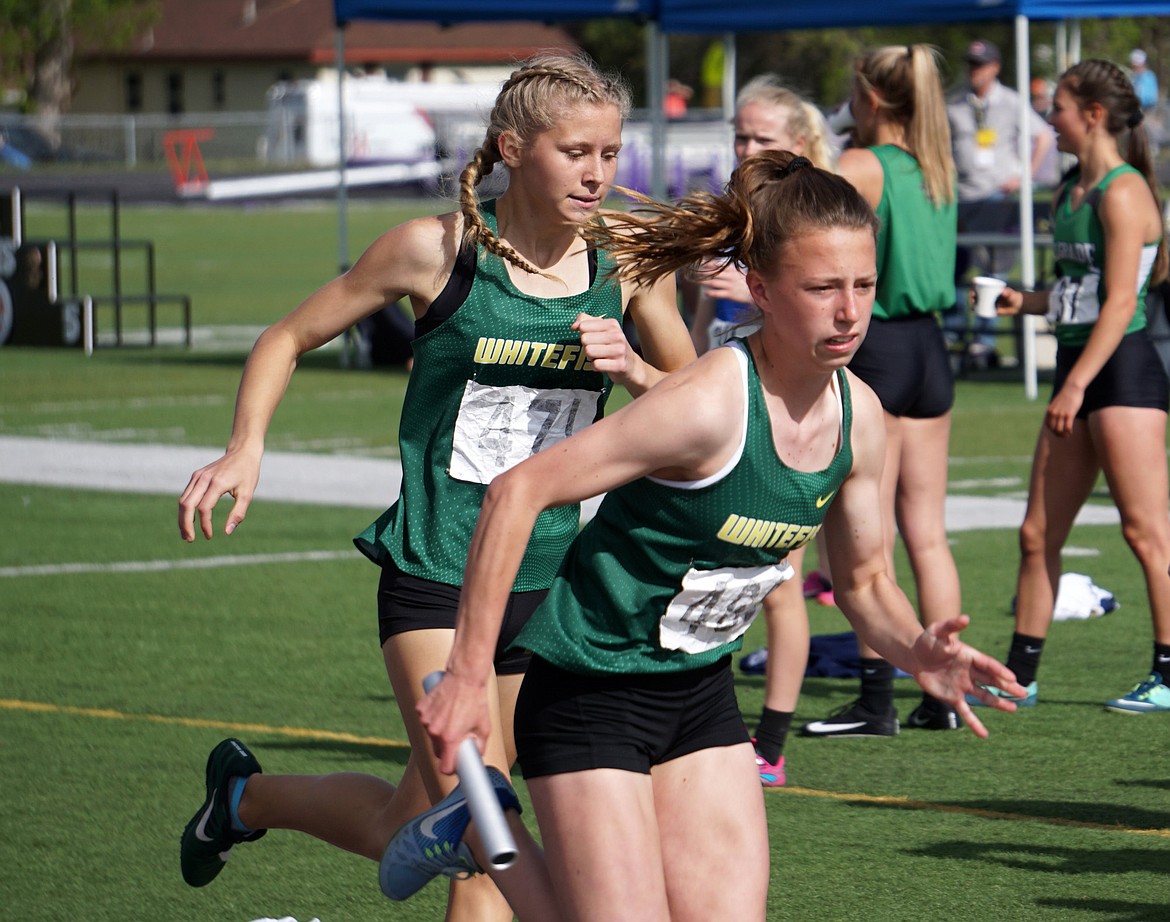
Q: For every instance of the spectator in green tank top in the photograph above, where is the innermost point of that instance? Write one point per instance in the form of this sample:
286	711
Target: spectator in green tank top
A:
497	273
642	776
1107	414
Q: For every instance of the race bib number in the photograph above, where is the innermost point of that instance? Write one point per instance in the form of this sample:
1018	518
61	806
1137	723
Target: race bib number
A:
498	427
1075	300
717	606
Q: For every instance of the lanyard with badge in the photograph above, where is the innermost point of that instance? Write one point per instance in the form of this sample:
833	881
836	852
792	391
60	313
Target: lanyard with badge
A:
985	135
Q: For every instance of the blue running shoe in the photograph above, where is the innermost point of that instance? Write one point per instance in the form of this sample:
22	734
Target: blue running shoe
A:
1028	701
431	843
1151	694
209	837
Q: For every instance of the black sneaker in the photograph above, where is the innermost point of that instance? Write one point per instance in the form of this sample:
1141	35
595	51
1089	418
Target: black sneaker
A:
932	714
853	720
209	837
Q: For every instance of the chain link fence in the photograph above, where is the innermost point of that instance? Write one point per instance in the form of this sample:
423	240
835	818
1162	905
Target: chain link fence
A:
698	152
129	140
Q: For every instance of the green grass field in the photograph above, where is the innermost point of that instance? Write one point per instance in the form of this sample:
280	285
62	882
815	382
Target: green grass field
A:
127	654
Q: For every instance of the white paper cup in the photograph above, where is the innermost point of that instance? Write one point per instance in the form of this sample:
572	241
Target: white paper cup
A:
987	291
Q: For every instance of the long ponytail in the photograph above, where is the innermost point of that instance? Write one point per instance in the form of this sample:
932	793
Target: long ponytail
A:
909	88
771	198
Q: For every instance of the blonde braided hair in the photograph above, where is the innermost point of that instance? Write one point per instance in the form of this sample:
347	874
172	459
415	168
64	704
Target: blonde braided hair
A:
532	100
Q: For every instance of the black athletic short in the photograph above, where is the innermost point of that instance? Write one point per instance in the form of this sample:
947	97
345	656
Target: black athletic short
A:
1134	376
567	722
409	603
906	363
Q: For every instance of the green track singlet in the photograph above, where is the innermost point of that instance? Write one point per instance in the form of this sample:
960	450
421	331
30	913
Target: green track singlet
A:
916	241
668	576
1074	303
497	381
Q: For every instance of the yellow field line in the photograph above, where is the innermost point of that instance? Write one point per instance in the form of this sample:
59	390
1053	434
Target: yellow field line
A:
38	707
908	804
200	723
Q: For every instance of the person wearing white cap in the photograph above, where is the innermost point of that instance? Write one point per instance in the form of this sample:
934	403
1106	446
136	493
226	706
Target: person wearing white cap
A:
1144	80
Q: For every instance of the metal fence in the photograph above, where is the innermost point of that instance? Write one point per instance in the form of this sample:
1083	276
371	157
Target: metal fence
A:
698	151
128	140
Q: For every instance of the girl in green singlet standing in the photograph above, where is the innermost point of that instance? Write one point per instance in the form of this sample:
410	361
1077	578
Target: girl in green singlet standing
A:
1109	395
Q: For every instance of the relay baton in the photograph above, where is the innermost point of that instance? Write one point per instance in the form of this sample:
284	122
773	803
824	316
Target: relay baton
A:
481	798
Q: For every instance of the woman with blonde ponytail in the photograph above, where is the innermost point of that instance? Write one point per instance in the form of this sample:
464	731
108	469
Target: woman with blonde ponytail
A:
518	342
642	776
902	166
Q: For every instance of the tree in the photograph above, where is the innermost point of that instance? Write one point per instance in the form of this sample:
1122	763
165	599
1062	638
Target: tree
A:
36	45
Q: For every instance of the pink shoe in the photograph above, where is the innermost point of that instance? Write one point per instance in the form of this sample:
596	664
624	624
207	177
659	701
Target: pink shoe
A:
771	776
815	584
827	598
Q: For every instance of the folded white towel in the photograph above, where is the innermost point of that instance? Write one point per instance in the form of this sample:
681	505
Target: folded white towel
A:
1078	598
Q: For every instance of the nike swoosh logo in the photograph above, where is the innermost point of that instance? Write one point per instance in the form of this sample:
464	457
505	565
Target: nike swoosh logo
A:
1031	650
820	725
823	500
201	828
427	826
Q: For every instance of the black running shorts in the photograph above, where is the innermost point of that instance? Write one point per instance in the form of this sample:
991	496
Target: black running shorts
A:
409	603
906	363
1134	376
566	722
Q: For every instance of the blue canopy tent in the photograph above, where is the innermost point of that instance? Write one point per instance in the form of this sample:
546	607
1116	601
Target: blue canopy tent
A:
449	11
775	15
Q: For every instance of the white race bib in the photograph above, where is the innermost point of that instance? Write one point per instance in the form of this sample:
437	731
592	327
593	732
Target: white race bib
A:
498	427
1075	300
717	606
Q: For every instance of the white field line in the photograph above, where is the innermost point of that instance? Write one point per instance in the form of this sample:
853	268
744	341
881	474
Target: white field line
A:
100	404
347	482
302	477
162	566
119	403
